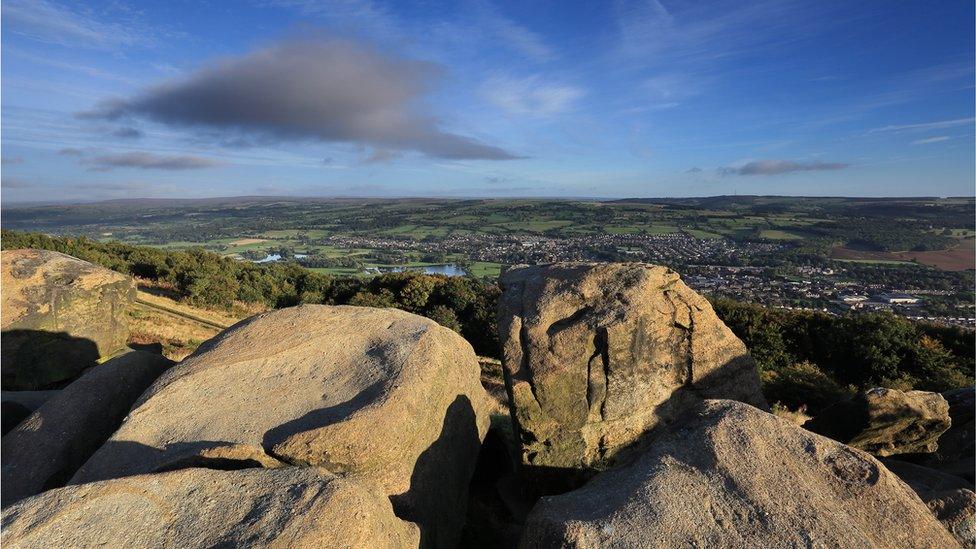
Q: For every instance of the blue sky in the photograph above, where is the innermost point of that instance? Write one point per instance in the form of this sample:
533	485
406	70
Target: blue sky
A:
473	98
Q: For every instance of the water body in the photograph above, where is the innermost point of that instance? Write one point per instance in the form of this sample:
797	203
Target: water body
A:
449	269
276	257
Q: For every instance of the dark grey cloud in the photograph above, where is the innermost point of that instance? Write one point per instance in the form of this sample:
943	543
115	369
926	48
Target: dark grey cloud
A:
326	90
71	151
696	169
127	132
777	167
149	161
10	160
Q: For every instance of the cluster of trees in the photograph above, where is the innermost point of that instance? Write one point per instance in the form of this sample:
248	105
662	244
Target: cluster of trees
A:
813	359
805	358
910	276
318	261
883	233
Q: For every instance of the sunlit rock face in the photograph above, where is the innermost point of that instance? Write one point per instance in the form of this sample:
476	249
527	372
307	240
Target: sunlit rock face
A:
595	355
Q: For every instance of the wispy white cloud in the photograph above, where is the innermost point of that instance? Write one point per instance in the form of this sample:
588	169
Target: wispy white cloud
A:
704	32
365	15
515	37
937	125
531	96
72	67
47	21
936	139
481	23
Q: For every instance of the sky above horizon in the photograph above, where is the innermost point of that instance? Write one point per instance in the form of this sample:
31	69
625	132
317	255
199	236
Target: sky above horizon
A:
178	99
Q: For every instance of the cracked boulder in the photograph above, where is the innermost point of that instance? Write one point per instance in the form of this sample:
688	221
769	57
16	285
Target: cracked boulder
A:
595	355
291	507
375	394
730	475
59	315
886	422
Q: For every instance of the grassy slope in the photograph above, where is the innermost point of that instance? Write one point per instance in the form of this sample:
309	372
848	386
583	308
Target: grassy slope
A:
175	326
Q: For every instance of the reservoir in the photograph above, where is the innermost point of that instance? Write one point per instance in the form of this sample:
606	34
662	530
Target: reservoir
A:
449	269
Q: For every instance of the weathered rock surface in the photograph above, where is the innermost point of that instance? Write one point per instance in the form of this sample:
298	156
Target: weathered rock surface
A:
291	507
17	405
730	475
378	394
59	315
46	449
886	422
950	497
597	354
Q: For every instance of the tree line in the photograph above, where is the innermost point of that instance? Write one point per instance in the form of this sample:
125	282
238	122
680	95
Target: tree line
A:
812	358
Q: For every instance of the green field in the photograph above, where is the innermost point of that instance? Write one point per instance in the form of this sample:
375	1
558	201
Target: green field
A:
346	236
776	234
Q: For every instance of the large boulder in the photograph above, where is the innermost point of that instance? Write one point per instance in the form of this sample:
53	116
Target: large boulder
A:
59	315
595	355
730	475
291	507
886	422
46	449
378	394
951	498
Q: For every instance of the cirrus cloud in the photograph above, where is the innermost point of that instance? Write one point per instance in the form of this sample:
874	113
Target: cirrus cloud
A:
327	90
778	167
531	96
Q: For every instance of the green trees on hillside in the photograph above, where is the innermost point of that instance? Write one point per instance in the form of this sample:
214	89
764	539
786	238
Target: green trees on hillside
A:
810	358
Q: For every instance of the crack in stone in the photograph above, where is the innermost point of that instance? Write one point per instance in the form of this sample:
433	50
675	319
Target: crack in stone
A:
601	346
687	333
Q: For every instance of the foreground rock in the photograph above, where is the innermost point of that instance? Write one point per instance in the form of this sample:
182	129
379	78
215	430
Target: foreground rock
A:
378	394
951	498
597	354
59	315
292	507
886	422
729	475
46	449
17	405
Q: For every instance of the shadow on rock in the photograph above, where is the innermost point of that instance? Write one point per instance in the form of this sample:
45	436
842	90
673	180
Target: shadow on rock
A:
38	359
324	416
437	498
208	454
